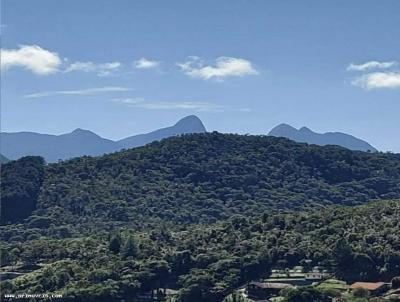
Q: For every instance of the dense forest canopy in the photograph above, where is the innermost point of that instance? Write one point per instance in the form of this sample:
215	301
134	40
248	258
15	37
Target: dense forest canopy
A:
208	262
21	182
204	178
200	213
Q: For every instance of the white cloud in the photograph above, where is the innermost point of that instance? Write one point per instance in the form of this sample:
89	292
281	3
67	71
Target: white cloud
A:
82	92
102	69
108	68
111	66
224	67
378	80
81	66
181	105
144	63
31	57
371	65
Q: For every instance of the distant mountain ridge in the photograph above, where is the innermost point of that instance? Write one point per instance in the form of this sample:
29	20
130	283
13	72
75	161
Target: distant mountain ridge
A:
54	147
189	124
305	135
82	142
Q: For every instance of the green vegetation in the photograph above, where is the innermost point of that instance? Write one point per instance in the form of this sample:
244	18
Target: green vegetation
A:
306	294
20	185
312	294
205	178
208	262
202	214
333	284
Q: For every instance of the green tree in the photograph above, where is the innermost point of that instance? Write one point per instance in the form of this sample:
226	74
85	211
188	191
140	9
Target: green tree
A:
129	249
115	243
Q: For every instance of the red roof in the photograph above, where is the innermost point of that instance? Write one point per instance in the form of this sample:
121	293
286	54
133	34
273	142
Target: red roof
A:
367	285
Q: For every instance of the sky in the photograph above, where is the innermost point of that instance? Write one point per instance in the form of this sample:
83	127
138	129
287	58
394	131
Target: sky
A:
125	67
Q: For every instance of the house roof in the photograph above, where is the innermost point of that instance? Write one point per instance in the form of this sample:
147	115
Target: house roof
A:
270	285
315	274
169	291
367	285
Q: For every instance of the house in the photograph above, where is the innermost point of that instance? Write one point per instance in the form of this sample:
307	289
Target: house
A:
375	288
298	279
315	276
297	269
264	290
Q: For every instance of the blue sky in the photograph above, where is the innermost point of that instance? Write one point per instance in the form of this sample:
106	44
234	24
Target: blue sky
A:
125	67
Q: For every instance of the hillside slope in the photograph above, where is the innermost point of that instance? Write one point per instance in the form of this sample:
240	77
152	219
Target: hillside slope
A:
203	178
112	227
21	182
205	263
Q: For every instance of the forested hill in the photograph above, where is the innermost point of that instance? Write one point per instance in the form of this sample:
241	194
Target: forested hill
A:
203	178
205	263
113	227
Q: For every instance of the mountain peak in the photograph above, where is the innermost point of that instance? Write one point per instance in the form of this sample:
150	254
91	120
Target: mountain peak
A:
80	131
306	135
188	124
191	124
80	142
282	130
306	130
284	125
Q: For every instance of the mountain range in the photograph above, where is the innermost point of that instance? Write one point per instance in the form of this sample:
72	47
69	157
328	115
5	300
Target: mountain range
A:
82	142
305	135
